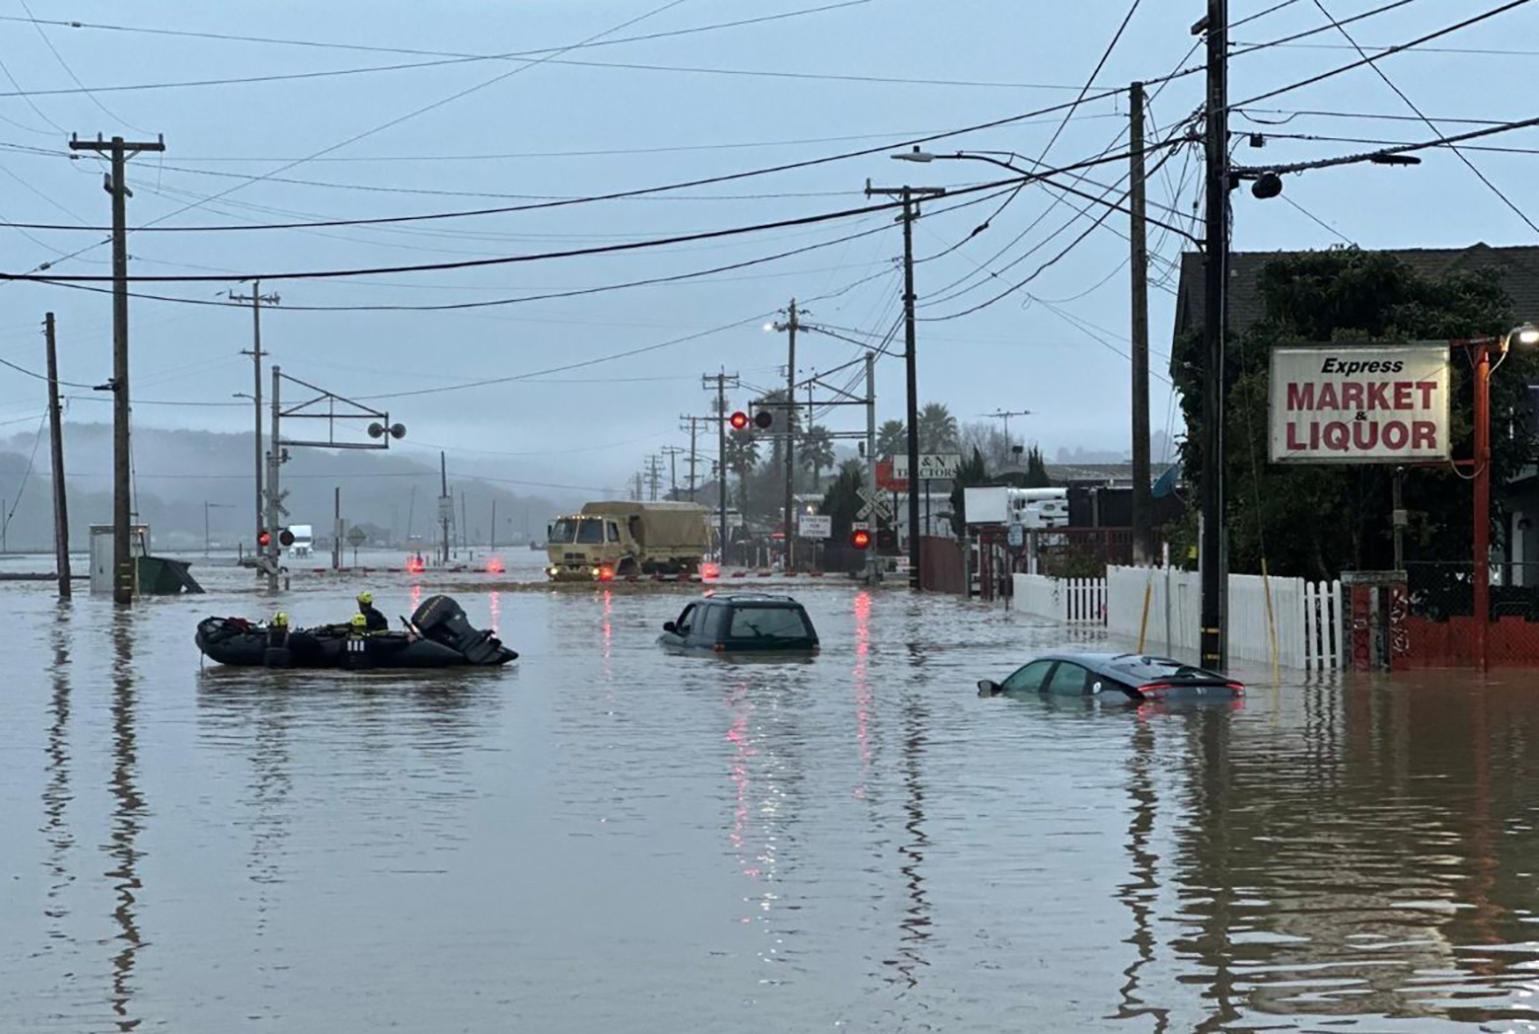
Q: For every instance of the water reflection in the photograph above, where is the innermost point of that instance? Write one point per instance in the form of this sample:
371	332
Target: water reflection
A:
1140	893
127	817
57	792
914	927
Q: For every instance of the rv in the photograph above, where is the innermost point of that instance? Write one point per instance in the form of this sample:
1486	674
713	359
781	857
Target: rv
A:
1035	508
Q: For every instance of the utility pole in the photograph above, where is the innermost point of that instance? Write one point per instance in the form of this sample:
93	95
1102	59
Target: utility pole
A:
1213	551
654	475
673	452
791	327
336	528
692	453
120	151
274	549
911	196
257	299
871	452
445	505
1138	272
1004	415
56	447
721	378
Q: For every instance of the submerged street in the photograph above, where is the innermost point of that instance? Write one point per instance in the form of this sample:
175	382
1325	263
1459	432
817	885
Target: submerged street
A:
604	836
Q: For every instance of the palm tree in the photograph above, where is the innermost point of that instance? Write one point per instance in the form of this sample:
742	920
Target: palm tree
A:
937	429
891	438
742	456
817	453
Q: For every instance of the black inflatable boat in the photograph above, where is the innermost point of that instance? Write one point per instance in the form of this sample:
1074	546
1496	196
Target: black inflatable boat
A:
440	636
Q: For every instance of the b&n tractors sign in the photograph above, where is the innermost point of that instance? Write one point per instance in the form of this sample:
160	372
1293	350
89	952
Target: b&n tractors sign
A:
1360	404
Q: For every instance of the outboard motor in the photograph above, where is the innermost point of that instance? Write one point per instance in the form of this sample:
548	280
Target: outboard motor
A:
442	620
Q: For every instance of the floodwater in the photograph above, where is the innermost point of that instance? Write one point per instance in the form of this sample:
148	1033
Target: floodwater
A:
606	837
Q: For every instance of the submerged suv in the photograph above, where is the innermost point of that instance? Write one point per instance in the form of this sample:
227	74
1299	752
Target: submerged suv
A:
741	623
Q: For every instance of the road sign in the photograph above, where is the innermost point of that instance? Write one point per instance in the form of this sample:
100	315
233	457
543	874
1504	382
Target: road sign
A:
1016	536
874	505
814	526
932	466
356	536
860	526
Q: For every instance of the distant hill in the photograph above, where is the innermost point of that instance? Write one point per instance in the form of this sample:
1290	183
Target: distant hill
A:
177	471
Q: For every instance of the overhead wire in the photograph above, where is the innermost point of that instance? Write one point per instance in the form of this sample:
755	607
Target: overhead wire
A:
1340	25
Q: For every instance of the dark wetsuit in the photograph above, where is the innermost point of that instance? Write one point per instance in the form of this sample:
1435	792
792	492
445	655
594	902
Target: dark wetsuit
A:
377	622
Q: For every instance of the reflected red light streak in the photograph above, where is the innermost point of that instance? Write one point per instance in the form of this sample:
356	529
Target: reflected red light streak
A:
496	603
862	682
416	597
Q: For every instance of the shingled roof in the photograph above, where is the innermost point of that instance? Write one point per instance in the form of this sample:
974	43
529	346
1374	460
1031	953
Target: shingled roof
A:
1519	268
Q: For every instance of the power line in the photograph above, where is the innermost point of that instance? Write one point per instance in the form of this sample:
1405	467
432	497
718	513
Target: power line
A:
1333	72
1430	124
1327	227
71	73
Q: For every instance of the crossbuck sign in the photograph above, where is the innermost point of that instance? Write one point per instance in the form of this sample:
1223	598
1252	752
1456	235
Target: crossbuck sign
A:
873	505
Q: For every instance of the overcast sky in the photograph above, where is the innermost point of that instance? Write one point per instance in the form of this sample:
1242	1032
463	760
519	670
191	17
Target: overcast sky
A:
581	124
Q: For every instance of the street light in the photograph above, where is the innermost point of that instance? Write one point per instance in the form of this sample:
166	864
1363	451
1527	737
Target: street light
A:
1480	349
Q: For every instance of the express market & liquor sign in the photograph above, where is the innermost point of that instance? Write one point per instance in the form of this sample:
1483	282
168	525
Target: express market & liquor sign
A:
1360	404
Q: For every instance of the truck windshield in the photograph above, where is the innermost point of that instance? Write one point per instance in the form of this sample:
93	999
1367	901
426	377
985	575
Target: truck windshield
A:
590	531
564	530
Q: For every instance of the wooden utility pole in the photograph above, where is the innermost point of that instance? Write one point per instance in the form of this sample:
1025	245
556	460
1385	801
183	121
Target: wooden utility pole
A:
1213	551
673	452
1138	272
56	447
336	528
445	505
791	328
119	151
910	196
272	553
693	421
257	299
721	378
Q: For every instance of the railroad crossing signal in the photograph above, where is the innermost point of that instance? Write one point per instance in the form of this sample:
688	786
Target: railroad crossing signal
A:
764	420
738	420
873	506
860	538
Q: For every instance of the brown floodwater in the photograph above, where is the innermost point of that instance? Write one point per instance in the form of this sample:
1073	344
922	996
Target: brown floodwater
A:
605	836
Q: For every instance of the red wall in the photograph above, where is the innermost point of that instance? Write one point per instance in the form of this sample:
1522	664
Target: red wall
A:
1511	642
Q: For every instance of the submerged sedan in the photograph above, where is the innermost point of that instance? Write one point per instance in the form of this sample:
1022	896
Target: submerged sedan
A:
1136	677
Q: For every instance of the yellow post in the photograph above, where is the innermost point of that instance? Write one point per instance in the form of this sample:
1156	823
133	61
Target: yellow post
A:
1271	622
1143	621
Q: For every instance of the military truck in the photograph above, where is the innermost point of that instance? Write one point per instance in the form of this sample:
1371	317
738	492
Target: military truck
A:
609	540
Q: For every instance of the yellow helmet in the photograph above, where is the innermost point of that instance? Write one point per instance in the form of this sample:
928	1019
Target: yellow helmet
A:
280	618
359	621
365	597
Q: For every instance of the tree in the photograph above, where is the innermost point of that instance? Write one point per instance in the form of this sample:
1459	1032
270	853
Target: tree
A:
842	500
1036	470
937	429
742	455
817	453
1318	520
891	439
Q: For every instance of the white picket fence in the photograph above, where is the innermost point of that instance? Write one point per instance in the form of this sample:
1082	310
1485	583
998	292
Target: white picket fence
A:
1077	601
1307	616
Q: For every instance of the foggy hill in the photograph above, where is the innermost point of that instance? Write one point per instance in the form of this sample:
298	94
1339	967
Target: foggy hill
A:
177	471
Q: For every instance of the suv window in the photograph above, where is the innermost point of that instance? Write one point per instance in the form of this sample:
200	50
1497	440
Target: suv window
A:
1067	679
1027	678
768	623
681	623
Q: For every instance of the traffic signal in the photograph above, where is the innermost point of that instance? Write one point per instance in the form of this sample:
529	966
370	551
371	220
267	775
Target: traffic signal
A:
285	537
265	538
738	420
764	419
860	538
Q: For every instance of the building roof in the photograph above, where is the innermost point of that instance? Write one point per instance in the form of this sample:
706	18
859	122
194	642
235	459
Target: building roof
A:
1519	268
1090	473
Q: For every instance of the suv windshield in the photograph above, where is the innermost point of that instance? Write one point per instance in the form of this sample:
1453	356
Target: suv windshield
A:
768	623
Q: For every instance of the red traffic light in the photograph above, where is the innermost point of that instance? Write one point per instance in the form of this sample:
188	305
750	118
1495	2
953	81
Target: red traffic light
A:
764	419
265	538
860	538
738	420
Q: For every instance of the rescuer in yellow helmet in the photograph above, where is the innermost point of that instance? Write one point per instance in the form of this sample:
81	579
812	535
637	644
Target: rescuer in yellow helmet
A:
374	621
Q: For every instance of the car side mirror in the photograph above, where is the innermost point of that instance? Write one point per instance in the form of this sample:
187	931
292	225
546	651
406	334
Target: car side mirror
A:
668	626
988	688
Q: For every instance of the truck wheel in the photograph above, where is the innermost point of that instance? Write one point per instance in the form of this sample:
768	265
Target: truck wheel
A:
627	568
